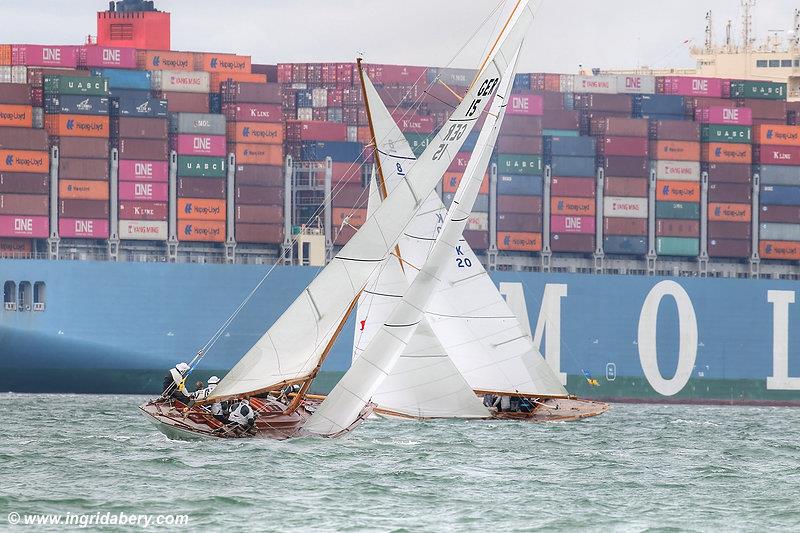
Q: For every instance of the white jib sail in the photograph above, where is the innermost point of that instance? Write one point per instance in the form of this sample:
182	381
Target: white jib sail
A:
357	387
292	348
470	317
424	383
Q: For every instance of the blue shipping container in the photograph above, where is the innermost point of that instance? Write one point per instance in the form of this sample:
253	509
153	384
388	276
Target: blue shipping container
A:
780	195
522	82
343	152
619	244
779	175
520	185
215	103
128	93
570	146
303	99
77	104
662	104
578	167
124	79
139	107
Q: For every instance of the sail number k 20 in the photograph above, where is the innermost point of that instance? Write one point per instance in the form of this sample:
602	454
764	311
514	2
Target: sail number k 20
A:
456	131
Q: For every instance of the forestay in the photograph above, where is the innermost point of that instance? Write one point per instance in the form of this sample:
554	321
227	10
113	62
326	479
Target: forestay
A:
364	378
293	347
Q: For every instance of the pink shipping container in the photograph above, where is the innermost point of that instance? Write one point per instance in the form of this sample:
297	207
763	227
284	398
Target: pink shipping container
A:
623	146
24	226
82	228
574	187
739	116
151	192
108	57
206	145
143	211
34	55
253	112
525	104
569	224
135	170
691	86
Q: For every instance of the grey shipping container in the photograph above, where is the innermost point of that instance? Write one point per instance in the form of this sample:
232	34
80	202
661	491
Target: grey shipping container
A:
197	123
779	174
772	231
481	204
625	245
23	138
24	183
82	169
520	185
573	166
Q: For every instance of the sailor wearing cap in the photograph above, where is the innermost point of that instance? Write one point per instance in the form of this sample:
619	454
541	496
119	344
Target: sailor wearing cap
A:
174	386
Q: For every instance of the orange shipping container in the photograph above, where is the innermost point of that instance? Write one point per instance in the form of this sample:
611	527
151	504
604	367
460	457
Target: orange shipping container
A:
678	191
241	77
82	190
452	179
201	230
259	154
24	161
777	135
518	241
356	216
729	212
201	209
728	153
779	250
363	135
12	247
165	60
675	150
255	132
20	116
230	63
5	54
76	125
572	206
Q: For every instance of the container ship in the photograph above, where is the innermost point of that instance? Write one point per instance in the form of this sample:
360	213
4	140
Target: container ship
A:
646	227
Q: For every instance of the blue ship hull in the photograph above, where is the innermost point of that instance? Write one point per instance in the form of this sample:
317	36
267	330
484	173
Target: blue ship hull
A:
117	327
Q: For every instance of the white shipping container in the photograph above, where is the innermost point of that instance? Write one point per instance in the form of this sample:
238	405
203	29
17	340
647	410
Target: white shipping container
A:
678	170
633	84
594	84
182	82
143	230
352	134
478	222
565	83
771	231
319	98
305	113
5	74
300	86
615	206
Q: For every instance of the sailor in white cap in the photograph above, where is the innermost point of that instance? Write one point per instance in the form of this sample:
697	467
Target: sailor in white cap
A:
174	386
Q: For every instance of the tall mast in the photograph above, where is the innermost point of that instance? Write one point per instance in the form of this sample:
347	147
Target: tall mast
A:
709	31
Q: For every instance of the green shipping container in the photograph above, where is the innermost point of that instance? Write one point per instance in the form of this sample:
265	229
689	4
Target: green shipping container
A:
560	133
192	166
682	210
91	86
714	133
527	165
765	90
418	142
682	246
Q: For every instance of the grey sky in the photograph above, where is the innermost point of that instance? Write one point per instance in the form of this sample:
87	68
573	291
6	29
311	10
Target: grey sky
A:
611	33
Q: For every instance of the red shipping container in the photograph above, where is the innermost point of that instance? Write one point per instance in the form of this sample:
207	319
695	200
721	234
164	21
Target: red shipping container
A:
460	161
787	214
626	167
17	94
519	204
561	120
478	240
728	230
141	127
23	204
315	131
728	173
517	144
83	169
201	188
24	226
24	183
248	195
777	155
143	210
15	247
576	243
409	122
675	130
83	209
625	226
519	222
522	125
143	149
574	187
774	110
729	248
264	175
185	102
81	147
259	214
737	193
623	146
622	127
626	187
83	228
568	224
677	228
252	112
260	233
350	195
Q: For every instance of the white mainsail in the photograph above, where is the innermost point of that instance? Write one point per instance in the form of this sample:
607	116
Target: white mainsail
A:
294	346
357	387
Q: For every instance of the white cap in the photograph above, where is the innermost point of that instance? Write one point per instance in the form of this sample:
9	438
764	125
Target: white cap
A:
213	380
182	367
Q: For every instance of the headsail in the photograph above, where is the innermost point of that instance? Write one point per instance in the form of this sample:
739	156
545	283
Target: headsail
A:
297	342
367	373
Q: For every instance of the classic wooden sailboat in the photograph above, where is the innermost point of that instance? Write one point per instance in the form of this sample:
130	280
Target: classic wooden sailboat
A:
294	347
467	327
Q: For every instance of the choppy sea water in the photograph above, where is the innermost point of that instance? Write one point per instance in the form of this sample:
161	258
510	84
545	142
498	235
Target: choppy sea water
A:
637	467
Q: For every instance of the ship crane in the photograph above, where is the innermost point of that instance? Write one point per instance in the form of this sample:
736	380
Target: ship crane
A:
747	24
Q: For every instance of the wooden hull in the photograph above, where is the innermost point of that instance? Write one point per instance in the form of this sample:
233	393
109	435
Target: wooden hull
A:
172	419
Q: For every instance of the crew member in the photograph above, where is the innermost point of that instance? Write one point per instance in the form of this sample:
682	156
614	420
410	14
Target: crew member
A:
174	386
242	414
